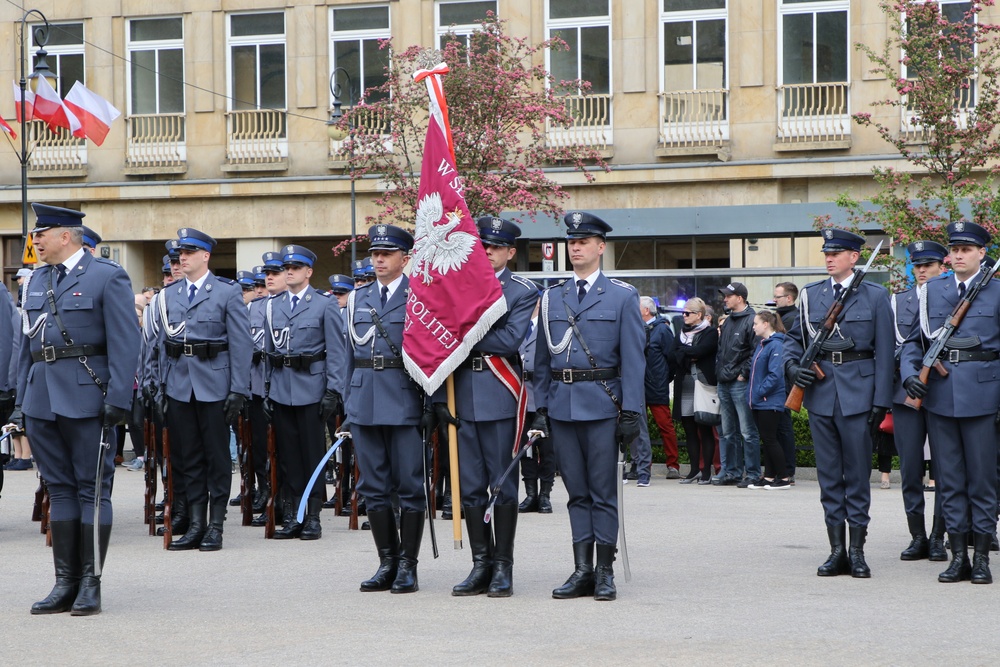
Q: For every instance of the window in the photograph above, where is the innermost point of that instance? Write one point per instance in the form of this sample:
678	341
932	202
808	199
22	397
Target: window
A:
585	26
694	45
257	61
814	41
65	54
355	34
156	66
458	20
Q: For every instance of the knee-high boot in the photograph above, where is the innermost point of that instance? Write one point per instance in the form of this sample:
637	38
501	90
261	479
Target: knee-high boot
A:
411	530
504	526
481	545
66	557
88	600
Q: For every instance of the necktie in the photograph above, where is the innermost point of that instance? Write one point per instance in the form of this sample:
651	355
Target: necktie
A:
191	292
531	327
582	289
385	293
62	273
836	290
295	302
961	290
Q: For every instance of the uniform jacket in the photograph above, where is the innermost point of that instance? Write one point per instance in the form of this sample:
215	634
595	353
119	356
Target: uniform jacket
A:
659	340
905	306
387	397
972	388
96	304
479	394
217	314
767	375
10	330
255	311
867	320
609	321
527	351
736	345
312	327
702	352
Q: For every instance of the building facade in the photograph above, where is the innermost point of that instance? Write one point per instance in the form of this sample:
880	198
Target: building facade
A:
726	123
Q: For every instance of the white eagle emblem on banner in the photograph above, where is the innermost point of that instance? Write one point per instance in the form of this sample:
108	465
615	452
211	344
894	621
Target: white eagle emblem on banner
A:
435	246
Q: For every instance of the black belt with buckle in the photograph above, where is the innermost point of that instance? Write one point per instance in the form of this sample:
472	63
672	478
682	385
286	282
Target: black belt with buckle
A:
528	375
258	356
571	375
477	362
838	358
297	362
49	353
206	350
378	362
955	356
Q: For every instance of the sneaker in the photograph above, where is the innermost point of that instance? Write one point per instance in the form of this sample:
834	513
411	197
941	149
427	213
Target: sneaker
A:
779	484
724	480
673	473
135	464
705	482
746	482
759	484
643	481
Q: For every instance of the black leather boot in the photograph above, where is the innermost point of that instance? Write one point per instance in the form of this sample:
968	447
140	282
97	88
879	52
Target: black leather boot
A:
981	559
66	557
311	528
195	532
504	526
212	541
935	544
994	542
411	530
604	575
236	500
581	582
260	499
290	528
387	543
544	503
180	520
837	563
960	568
919	547
481	545
856	553
88	600
530	502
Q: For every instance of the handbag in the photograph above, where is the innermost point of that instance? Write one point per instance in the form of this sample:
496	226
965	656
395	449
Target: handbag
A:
706	404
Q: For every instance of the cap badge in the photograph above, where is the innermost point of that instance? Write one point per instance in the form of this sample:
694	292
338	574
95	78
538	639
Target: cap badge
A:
828	233
576	219
381	230
497	224
288	250
918	246
183	233
959	226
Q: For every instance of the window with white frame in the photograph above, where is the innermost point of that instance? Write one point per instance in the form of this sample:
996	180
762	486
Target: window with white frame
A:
156	66
65	54
355	37
814	41
257	61
694	45
458	19
585	27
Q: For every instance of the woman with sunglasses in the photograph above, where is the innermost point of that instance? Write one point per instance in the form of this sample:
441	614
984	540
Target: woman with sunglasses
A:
693	353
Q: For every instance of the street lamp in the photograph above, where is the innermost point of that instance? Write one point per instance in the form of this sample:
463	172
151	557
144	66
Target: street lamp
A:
334	131
41	69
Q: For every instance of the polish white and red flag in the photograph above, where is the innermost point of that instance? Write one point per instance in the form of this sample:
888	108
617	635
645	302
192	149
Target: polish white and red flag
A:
7	128
29	104
455	296
95	113
49	107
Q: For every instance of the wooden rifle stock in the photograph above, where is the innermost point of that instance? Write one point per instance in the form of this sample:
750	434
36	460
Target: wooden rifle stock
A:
168	487
272	474
149	437
246	482
338	471
46	515
36	508
794	400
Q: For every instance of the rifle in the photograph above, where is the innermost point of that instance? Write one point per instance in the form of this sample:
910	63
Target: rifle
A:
272	474
149	436
168	486
808	360
246	468
932	358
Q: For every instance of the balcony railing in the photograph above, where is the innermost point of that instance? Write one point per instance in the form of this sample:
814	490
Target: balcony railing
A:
691	118
256	136
965	103
813	112
371	122
591	123
156	140
54	151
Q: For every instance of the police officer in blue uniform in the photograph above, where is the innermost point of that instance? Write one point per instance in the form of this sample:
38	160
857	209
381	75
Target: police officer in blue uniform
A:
487	414
204	372
91	239
962	406
851	402
259	281
594	400
340	288
363	272
909	425
248	283
307	370
71	392
538	469
384	409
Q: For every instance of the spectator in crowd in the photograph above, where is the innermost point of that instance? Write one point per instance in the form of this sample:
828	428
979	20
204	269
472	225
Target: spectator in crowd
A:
785	296
693	355
659	341
739	443
767	398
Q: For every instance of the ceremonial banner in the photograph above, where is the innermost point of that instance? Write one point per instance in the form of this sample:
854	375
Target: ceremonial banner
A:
455	296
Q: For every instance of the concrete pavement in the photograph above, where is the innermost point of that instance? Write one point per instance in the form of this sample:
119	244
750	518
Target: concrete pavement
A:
720	576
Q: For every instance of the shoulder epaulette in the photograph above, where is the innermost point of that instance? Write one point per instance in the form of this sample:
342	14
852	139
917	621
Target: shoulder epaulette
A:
559	284
622	283
816	282
225	281
108	262
524	281
170	284
258	298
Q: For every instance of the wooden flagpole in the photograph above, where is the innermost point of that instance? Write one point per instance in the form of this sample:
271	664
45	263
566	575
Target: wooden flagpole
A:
456	492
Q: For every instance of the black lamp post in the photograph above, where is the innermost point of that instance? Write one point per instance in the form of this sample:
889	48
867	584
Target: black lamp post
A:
41	35
338	134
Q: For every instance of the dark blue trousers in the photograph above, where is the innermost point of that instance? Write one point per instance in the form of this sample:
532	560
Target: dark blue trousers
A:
587	456
484	453
910	432
390	458
843	449
965	466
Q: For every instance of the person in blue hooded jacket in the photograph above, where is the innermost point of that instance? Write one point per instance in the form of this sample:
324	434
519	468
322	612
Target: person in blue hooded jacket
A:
767	398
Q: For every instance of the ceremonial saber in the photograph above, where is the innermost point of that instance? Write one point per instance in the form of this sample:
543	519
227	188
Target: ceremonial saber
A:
456	495
105	444
312	480
621	513
495	492
430	496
